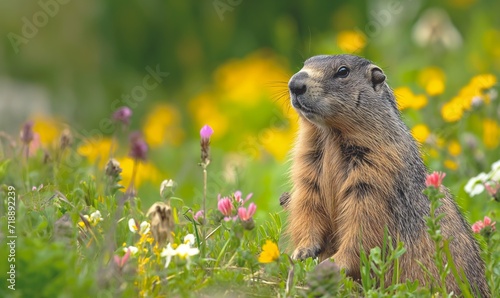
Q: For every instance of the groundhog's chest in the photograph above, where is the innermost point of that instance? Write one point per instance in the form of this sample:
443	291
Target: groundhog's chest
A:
332	173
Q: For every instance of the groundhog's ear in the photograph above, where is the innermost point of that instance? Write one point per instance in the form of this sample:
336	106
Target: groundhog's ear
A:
378	77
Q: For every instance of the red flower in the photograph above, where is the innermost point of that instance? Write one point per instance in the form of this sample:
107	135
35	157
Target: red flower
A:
435	179
486	224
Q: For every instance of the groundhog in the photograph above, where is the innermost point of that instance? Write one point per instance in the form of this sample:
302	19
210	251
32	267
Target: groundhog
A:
357	171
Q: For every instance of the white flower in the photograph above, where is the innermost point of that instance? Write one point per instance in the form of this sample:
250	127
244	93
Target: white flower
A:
145	226
189	239
185	251
133	250
93	219
495	171
96	217
495	166
168	252
167	188
132	226
475	185
167	183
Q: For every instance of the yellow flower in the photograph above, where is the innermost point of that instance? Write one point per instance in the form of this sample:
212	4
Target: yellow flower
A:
278	142
452	111
96	150
270	252
491	133
454	148
48	129
484	81
475	90
205	111
146	171
450	164
406	99
420	132
472	92
434	87
351	41
163	125
432	79
242	80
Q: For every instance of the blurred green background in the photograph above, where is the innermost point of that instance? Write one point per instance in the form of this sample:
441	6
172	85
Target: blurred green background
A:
72	63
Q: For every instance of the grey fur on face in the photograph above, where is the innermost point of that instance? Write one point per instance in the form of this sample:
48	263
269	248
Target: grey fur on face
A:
329	88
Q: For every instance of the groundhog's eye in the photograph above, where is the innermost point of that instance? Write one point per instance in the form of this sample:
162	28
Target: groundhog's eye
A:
342	72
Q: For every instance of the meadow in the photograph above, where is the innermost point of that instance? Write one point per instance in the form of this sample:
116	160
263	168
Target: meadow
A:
158	166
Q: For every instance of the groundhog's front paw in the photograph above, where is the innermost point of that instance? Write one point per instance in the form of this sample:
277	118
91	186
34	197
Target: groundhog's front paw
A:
302	253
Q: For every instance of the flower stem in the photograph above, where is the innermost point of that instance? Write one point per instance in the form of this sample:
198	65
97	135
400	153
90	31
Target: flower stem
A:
223	250
203	230
132	180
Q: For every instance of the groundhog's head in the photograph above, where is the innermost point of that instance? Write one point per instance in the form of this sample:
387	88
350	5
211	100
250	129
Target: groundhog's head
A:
341	91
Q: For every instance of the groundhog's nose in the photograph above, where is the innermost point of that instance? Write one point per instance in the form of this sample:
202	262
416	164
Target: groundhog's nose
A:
297	84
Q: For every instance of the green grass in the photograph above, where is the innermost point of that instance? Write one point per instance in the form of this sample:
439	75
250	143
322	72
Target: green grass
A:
59	254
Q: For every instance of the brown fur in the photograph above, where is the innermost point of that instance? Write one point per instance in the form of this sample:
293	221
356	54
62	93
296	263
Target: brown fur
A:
357	171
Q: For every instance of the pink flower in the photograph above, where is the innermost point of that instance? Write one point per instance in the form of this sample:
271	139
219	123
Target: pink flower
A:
492	188
138	147
123	115
206	132
239	200
34	188
486	225
225	206
435	179
477	226
487	222
199	217
27	133
121	261
246	214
